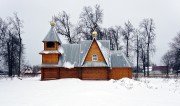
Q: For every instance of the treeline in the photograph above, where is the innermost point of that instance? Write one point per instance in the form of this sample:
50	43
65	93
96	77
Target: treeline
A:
172	57
11	47
130	40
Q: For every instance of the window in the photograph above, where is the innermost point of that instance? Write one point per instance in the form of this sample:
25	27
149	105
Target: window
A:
94	57
50	44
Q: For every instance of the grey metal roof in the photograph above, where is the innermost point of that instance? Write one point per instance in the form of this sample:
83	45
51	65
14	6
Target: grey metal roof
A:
84	48
118	59
52	36
104	46
50	52
70	54
94	64
76	53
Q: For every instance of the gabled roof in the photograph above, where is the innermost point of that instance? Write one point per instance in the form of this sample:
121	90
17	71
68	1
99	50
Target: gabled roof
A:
76	53
84	47
118	59
104	46
52	36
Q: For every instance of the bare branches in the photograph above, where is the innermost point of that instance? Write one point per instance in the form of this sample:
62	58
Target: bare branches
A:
168	60
114	35
90	21
148	30
127	34
3	33
12	47
175	51
63	25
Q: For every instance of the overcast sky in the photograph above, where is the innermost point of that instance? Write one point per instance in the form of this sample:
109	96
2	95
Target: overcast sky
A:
36	15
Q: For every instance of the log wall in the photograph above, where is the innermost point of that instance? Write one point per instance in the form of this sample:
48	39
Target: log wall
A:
95	73
49	73
69	73
88	73
118	73
50	58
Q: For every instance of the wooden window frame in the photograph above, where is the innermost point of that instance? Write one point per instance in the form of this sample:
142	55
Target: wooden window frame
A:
48	43
94	57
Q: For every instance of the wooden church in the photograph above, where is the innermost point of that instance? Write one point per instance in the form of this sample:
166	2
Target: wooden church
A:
89	59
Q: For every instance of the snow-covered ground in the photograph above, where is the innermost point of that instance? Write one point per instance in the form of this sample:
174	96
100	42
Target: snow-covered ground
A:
75	92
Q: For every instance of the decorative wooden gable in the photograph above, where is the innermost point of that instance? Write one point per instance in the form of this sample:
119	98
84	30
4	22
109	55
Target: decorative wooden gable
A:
94	54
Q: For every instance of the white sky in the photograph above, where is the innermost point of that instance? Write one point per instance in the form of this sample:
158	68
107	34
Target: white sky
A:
36	15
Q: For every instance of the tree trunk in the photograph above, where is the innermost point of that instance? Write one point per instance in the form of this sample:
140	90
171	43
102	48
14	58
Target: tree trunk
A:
167	73
127	54
137	70
20	50
144	69
148	59
11	56
9	61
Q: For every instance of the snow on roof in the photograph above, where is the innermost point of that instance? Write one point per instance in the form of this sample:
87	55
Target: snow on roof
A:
105	49
61	50
85	46
50	52
71	53
68	65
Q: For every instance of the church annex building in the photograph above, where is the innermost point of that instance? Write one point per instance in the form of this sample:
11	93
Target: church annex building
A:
89	59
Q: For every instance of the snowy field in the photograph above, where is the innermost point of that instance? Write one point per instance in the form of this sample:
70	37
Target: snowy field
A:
75	92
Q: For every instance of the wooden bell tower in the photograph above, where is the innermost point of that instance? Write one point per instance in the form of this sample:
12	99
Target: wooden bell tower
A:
50	54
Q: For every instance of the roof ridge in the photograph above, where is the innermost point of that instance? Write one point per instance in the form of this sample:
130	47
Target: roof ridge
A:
52	35
87	52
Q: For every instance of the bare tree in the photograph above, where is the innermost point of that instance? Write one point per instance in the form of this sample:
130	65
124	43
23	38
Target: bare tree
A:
175	48
63	25
127	33
114	35
142	53
148	28
137	40
17	25
3	37
168	60
90	21
12	47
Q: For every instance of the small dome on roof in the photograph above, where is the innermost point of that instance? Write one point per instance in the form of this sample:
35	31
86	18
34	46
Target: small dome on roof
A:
94	34
52	23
